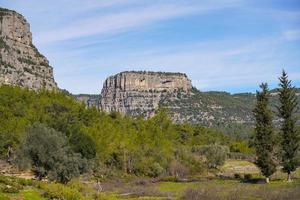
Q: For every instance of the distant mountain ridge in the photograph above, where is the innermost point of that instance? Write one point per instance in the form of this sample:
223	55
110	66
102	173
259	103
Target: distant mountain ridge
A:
141	93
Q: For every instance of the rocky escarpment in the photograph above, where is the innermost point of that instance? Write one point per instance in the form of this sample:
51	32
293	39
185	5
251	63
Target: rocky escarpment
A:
21	63
140	93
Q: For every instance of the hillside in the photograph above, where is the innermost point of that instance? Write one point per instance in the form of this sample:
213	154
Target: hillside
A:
216	108
141	93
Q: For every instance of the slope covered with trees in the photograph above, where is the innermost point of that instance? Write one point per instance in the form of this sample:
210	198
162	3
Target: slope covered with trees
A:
109	143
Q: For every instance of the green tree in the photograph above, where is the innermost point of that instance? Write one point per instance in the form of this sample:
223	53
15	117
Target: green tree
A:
264	133
290	136
46	152
216	155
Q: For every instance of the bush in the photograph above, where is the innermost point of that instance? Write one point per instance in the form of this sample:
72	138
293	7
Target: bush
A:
196	194
59	191
193	164
46	153
241	147
12	182
215	154
10	189
237	176
83	144
248	177
148	168
177	170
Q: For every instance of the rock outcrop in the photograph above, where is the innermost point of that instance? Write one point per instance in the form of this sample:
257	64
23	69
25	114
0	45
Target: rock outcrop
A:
140	93
90	100
21	63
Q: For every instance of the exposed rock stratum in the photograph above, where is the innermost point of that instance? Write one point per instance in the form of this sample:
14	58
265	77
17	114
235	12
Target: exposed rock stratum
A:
140	93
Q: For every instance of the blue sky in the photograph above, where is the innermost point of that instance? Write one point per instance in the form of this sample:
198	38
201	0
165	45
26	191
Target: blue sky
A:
226	45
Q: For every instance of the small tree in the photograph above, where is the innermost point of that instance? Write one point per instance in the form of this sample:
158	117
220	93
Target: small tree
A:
290	136
46	152
215	155
264	133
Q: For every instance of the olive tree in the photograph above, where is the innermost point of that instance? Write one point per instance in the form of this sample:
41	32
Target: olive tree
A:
47	153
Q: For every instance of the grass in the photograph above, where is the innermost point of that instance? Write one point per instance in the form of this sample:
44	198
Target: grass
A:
133	189
31	194
239	166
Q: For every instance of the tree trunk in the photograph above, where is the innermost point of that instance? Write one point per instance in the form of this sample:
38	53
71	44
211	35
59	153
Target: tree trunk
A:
267	180
289	178
124	161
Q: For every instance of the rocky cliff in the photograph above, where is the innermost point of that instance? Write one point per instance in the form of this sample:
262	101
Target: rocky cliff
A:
21	63
140	93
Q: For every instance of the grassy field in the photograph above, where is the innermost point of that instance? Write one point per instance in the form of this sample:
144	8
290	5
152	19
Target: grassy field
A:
143	188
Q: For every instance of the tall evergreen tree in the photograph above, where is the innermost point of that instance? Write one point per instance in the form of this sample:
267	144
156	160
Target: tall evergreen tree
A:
290	137
264	133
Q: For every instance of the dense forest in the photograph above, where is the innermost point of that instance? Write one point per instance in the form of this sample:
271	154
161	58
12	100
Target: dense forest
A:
35	126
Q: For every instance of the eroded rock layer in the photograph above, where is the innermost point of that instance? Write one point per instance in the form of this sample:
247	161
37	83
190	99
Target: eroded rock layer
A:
140	93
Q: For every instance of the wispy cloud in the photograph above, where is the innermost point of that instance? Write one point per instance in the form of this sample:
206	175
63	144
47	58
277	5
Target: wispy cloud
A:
113	23
220	44
292	34
141	15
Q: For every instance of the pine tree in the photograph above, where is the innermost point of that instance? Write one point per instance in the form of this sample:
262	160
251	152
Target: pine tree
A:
290	137
264	133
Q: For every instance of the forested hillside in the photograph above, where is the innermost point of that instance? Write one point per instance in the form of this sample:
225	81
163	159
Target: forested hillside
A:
217	109
109	141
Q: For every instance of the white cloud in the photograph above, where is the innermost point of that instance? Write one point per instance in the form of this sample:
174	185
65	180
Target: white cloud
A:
138	16
112	23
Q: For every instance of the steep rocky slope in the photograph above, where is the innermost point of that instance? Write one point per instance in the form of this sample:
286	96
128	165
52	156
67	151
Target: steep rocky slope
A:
139	93
21	63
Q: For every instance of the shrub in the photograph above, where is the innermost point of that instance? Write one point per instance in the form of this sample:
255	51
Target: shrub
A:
241	147
248	177
177	169
59	191
10	189
46	152
83	144
215	154
196	194
193	163
237	176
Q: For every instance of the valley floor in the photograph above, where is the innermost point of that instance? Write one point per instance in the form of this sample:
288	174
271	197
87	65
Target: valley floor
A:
234	182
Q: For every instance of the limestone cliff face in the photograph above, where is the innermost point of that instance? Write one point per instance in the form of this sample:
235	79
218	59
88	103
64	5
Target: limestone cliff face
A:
139	93
21	63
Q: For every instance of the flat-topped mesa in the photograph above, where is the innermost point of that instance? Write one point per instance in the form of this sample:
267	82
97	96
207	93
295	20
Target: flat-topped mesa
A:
21	64
139	93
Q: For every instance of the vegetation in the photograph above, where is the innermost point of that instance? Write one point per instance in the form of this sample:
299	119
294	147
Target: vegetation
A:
215	154
47	153
28	61
59	139
290	137
115	144
264	133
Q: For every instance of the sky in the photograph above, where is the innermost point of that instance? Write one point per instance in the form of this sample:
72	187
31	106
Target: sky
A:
222	45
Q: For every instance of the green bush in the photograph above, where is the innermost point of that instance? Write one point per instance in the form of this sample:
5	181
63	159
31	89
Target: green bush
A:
215	154
59	191
46	152
10	189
